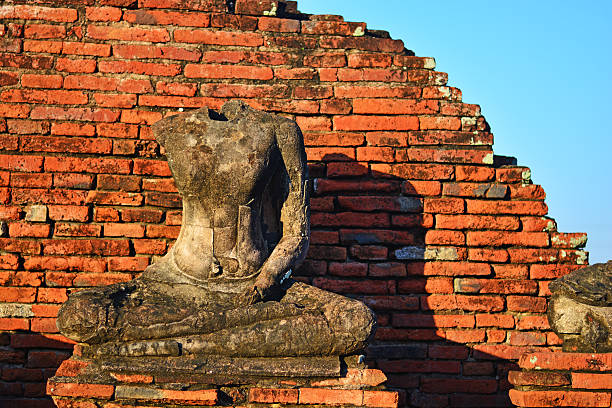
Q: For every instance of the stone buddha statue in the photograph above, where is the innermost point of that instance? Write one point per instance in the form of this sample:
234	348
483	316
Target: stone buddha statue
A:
224	287
580	309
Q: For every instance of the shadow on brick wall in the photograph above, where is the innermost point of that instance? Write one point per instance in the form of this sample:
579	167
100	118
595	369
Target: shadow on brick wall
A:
27	360
370	241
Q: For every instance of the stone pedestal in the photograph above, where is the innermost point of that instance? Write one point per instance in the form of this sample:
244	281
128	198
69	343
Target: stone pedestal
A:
562	379
322	381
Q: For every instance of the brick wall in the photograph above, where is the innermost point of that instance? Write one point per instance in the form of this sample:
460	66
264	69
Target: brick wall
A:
411	210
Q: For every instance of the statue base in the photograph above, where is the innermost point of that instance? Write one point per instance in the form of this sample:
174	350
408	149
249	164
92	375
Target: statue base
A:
217	381
562	379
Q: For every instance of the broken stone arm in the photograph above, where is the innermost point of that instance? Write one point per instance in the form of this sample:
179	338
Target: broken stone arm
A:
294	216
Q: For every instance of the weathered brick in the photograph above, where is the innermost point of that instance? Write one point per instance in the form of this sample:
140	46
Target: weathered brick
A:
127	33
37	31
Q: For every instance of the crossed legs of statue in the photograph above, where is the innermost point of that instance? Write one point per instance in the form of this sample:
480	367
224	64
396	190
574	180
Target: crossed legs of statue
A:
139	318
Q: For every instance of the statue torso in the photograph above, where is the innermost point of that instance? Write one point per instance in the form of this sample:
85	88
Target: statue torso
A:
224	167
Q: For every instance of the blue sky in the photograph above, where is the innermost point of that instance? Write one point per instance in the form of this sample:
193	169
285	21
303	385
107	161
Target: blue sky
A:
540	70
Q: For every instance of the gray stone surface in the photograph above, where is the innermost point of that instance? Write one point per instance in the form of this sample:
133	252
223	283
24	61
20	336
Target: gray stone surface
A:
221	289
580	309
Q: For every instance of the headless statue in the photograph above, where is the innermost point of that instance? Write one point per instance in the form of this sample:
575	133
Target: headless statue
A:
223	288
580	309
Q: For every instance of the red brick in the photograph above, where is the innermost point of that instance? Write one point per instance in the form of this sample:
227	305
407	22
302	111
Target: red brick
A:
77	230
149	246
546	378
69	213
451	385
75	65
429	285
533	255
127	33
162	231
128	264
551	271
100	279
51	295
79	48
526	304
80	390
394	106
27	126
8	323
14	111
132	378
21	163
72	129
500	238
44	325
140	117
449	156
65	144
182	89
462	302
65	263
512	174
490	255
41	81
386	399
347	169
506	207
115	100
33	180
527	192
443	137
47	96
38	31
137	67
102	214
567	361
477	222
105	247
30	12
204	5
120	130
279	25
527	338
330	153
71	368
443	237
218	37
444	205
414	62
17	295
357	122
421	188
103	14
423	171
533	323
25	61
553	398
123	230
456	269
272	395
89	165
224	71
163	17
334	186
24	229
538	224
327	396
